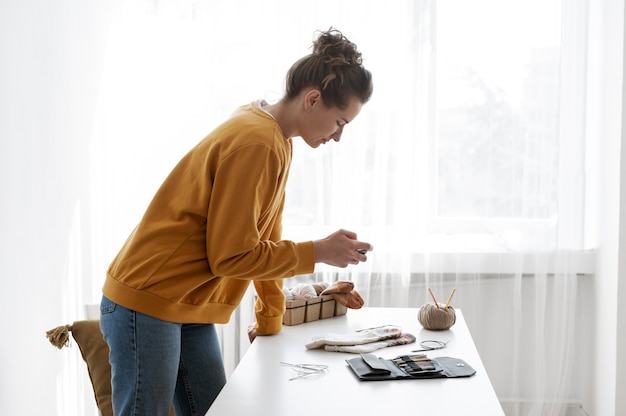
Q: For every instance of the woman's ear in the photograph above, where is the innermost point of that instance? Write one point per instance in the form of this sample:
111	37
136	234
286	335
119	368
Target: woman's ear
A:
312	98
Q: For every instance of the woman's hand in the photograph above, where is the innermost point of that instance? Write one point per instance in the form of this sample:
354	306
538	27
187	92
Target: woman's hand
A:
253	333
340	249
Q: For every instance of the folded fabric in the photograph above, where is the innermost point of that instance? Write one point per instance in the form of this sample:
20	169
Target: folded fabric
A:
364	336
405	338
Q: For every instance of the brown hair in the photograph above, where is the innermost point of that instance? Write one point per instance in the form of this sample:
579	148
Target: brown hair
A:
335	67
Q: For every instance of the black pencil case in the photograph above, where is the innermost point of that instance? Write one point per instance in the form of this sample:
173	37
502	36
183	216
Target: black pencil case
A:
368	367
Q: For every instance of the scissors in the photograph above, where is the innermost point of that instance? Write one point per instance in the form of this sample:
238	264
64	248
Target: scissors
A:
307	370
429	345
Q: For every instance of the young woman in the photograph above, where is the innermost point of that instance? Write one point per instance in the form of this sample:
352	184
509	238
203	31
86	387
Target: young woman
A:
213	227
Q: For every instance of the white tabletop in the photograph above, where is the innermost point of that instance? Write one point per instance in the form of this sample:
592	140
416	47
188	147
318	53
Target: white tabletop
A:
260	385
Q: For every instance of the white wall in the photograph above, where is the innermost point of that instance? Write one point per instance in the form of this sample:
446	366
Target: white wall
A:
46	71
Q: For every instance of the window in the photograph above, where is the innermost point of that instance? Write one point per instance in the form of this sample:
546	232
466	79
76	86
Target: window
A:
468	142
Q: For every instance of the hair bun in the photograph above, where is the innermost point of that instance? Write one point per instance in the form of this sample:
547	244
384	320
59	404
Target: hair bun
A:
335	49
335	68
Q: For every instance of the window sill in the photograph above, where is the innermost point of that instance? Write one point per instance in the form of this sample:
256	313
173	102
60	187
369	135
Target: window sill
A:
459	253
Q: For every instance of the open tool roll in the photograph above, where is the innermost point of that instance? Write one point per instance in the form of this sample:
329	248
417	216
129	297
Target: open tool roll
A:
368	367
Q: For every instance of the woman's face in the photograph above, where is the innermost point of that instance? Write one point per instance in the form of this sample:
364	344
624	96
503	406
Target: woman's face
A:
322	124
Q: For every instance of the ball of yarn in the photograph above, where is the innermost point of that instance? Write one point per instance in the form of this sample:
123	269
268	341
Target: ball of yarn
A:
303	291
287	293
320	287
436	318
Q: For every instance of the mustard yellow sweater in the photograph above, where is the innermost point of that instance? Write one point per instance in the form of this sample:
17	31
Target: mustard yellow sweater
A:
214	226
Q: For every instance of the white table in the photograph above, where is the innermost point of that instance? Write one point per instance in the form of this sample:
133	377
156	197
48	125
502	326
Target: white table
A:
260	385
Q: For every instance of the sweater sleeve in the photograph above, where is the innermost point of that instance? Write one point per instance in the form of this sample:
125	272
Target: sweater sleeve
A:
244	211
269	307
270	304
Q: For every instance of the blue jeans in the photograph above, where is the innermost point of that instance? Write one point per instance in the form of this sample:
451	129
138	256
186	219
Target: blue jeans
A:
156	364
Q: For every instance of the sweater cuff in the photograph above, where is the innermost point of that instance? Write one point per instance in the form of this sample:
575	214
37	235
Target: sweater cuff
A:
306	258
269	325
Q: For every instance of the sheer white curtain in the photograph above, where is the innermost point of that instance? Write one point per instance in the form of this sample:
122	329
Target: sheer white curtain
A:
464	171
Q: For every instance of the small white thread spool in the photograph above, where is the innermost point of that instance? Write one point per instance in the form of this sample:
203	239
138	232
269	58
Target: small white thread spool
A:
436	318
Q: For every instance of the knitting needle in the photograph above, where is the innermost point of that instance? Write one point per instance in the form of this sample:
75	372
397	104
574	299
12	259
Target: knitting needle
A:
433	296
449	299
374	327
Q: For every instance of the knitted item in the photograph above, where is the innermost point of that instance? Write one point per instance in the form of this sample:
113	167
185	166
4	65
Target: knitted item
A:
365	336
352	300
341	286
343	292
320	287
405	338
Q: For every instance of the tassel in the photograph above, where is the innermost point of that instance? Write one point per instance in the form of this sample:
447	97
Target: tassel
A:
59	336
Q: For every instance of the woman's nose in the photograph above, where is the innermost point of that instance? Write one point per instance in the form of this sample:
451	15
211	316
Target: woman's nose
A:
336	136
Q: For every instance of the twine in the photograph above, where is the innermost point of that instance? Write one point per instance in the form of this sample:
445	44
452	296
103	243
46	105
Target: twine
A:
436	318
